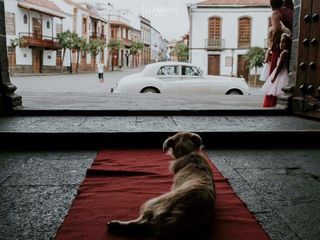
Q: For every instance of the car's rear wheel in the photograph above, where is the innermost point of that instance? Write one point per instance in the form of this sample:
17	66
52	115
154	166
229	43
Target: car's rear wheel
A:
150	90
234	92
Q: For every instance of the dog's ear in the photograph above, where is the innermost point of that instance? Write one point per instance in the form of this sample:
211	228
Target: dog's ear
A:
168	144
196	139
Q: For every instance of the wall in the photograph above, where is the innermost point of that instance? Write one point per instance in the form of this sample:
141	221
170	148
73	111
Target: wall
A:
229	34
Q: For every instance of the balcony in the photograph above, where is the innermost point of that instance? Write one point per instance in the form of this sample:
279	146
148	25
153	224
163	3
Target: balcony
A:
124	42
244	44
214	43
95	35
33	40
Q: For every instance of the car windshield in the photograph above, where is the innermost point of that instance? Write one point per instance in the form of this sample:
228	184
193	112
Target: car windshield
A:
169	70
190	71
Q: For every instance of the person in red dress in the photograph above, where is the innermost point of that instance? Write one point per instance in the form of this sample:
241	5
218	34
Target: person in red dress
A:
284	15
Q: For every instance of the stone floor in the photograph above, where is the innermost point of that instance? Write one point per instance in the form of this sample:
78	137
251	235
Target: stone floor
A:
280	186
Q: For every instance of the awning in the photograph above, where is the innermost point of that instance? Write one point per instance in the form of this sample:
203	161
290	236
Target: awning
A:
40	9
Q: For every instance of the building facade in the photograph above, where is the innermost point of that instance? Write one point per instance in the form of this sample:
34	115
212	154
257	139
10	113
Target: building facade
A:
122	31
36	24
229	30
145	28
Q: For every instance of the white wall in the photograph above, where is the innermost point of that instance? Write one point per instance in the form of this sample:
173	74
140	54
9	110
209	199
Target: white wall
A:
230	17
21	27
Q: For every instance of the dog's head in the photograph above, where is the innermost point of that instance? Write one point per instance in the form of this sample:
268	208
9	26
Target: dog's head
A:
182	143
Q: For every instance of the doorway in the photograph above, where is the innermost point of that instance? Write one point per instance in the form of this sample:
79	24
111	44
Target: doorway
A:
243	69
214	65
36	60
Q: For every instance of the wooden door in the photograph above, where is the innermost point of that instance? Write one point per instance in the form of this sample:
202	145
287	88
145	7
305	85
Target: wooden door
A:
214	65
243	69
307	86
36	60
37	28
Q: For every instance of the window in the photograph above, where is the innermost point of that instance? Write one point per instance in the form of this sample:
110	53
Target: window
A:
190	71
114	33
84	25
10	23
169	70
244	32
102	30
59	28
48	24
25	19
214	38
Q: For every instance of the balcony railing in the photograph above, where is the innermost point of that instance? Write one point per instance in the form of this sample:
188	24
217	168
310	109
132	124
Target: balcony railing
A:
37	40
124	42
244	44
98	36
214	43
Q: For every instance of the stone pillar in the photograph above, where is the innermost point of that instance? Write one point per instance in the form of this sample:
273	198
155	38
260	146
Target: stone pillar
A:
8	100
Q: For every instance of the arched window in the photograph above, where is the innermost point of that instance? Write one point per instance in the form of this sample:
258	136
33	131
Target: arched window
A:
214	33
244	32
25	19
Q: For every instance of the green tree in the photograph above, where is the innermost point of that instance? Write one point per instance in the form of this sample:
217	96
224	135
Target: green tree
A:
255	57
79	44
113	45
13	44
95	47
135	49
65	41
181	50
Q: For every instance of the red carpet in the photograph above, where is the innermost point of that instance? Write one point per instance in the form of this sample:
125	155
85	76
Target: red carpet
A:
120	181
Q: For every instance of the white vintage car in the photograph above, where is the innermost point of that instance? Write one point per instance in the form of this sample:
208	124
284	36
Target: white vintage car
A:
179	77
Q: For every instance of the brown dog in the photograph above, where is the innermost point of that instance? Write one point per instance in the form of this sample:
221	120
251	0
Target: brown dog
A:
186	212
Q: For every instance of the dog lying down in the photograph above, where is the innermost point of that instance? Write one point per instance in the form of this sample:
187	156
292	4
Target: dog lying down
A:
186	212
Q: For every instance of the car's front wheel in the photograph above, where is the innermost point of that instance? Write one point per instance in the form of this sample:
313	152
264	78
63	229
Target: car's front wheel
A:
234	92
150	90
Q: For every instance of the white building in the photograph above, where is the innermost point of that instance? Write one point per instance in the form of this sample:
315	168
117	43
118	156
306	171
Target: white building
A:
221	32
36	23
158	46
86	23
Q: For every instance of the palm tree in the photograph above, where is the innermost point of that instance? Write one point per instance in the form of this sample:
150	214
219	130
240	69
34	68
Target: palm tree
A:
14	43
95	47
135	49
113	45
65	41
79	44
255	57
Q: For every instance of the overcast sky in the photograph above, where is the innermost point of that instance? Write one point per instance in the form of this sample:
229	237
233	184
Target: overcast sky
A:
169	17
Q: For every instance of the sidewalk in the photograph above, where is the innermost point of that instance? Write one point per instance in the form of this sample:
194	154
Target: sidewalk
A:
270	157
281	188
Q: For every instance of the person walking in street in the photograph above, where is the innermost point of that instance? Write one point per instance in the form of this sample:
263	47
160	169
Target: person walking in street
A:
279	78
100	70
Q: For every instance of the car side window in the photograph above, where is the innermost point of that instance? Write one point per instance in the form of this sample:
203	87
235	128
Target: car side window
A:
168	71
190	71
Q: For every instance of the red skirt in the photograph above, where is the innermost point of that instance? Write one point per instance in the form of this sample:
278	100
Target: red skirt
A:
270	101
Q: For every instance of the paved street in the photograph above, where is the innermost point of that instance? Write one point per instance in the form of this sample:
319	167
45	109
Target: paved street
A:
83	92
69	83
